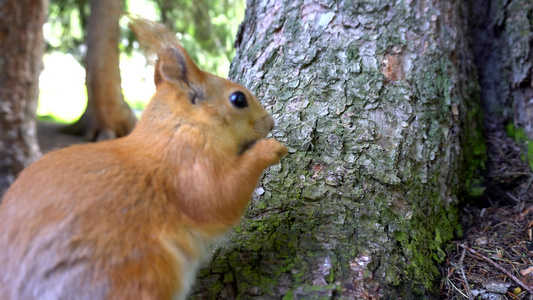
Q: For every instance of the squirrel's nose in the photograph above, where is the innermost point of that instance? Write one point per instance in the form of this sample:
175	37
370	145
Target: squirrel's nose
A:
264	125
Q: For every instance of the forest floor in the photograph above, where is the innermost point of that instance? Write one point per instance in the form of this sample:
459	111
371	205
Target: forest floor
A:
51	139
494	258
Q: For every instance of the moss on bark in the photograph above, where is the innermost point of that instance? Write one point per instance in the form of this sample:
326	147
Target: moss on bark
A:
375	101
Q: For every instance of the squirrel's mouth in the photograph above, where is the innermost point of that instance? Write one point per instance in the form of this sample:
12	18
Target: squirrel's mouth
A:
246	145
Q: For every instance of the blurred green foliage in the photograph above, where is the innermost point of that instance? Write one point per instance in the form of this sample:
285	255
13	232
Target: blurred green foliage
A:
206	28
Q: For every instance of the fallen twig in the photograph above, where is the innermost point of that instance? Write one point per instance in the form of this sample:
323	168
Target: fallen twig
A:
527	288
523	192
513	197
458	290
513	295
461	268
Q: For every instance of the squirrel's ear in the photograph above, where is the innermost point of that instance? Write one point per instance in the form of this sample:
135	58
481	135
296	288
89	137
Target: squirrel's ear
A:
175	65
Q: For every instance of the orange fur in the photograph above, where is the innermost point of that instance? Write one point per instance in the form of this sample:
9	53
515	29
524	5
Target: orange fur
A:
131	218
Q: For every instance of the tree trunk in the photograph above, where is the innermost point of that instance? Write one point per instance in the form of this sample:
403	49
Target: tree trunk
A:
502	36
107	115
21	51
379	109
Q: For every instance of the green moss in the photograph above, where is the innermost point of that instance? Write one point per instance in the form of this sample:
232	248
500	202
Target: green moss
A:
311	292
288	296
423	240
477	191
251	278
475	153
228	278
214	290
331	277
520	136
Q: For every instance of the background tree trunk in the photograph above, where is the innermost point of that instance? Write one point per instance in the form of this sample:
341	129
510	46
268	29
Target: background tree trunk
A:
502	36
21	51
378	106
107	115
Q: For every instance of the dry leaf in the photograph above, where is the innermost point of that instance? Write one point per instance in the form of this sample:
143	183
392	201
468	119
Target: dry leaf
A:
526	271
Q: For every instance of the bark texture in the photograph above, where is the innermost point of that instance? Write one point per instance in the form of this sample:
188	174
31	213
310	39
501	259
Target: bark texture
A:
502	36
107	115
377	105
21	51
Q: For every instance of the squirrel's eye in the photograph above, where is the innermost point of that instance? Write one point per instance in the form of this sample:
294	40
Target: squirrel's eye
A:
238	100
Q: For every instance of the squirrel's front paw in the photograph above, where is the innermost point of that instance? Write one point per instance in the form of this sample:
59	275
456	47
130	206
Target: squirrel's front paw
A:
269	150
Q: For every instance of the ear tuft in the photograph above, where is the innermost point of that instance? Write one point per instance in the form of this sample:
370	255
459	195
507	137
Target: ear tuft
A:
153	37
158	41
173	64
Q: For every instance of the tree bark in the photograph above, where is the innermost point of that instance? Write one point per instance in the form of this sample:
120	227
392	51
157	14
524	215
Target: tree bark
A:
379	109
21	51
107	115
502	36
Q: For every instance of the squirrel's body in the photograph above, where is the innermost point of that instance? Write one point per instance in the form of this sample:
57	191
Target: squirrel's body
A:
130	218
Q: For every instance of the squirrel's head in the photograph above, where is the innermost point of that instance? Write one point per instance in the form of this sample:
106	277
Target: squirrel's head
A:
226	108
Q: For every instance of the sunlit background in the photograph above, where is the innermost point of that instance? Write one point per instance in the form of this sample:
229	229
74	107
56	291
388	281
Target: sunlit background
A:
63	96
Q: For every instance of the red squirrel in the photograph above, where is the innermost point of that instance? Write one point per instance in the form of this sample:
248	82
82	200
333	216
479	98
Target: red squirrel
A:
131	218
